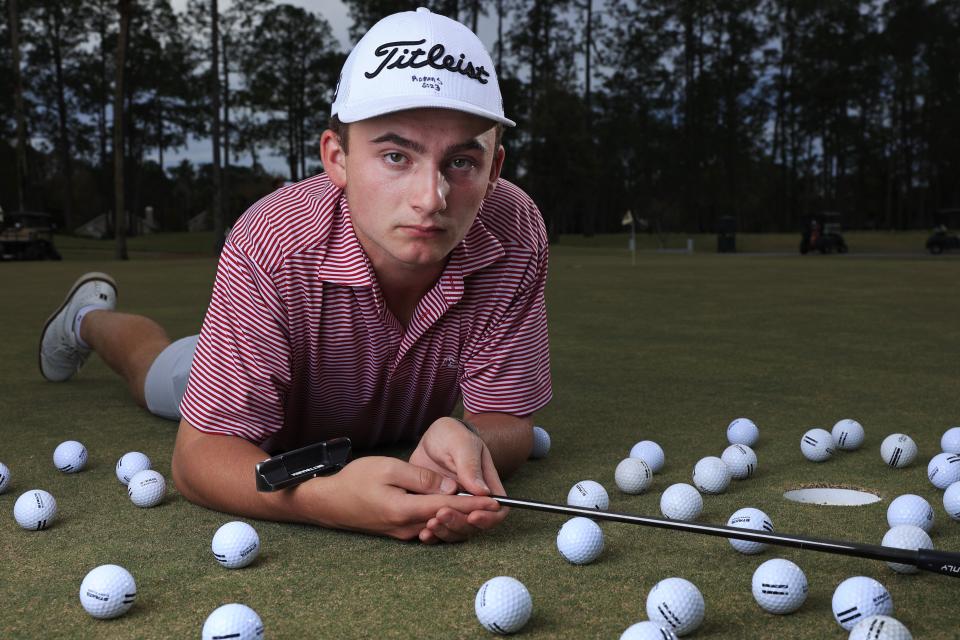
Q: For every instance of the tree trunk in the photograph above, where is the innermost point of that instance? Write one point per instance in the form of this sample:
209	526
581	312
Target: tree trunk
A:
225	178
104	90
18	105
215	96
120	227
54	32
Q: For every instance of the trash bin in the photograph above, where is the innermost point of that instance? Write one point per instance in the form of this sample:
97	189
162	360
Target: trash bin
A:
727	234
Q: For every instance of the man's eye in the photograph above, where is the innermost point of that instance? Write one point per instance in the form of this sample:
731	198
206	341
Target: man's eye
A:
462	163
393	158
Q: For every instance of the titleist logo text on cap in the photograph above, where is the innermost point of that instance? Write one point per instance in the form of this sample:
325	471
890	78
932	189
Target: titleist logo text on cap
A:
436	58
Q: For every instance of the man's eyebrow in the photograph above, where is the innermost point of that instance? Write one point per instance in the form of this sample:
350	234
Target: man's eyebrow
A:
400	141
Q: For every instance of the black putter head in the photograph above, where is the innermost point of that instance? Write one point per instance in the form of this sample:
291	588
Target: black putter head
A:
293	467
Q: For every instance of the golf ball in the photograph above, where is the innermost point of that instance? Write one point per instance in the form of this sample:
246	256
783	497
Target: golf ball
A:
541	443
235	621
633	475
898	450
711	475
4	477
108	591
650	452
35	509
129	464
817	445
741	460
146	488
235	545
70	456
779	586
676	603
681	502
580	540
503	605
749	518
743	431
910	509
951	501
906	536
944	469
858	597
847	434
880	628
950	441
589	495
648	630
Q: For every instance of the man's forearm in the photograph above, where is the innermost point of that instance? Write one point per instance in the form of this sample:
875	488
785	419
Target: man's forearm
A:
508	438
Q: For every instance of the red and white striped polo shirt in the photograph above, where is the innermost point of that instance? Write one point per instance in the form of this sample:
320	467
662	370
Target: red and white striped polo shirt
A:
298	346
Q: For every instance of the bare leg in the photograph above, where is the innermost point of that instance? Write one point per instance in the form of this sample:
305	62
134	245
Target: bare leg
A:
127	343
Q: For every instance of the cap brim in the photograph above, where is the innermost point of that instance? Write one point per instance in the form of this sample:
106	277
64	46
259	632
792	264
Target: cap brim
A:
380	107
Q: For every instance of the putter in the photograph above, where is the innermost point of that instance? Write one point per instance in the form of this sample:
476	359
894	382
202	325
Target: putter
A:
943	562
293	467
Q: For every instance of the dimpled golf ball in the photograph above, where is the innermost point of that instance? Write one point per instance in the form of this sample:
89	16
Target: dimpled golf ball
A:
676	603
944	469
541	443
880	628
743	431
4	477
906	536
580	540
70	456
898	450
650	452
817	445
35	510
847	434
146	488
633	475
910	509
681	502
108	591
235	545
741	460
648	630
129	464
503	605
589	495
235	621
711	475
951	501
859	597
779	586
950	440
749	518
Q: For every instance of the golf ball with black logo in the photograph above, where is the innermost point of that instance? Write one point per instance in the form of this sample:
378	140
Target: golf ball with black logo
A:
898	450
648	630
860	597
108	591
847	434
35	509
580	540
906	536
741	460
235	621
681	502
650	452
146	488
749	518
676	603
711	475
910	509
4	477
951	501
70	456
633	476
235	545
589	495
541	443
743	431
779	586
950	440
129	464
880	628
944	469
817	445
503	605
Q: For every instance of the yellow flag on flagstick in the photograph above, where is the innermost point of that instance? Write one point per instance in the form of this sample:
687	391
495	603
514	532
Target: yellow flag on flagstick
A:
627	218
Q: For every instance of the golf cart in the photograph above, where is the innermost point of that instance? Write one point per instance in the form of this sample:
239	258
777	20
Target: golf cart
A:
27	235
942	240
823	234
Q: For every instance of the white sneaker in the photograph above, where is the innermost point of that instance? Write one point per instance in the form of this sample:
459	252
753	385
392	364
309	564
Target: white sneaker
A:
61	355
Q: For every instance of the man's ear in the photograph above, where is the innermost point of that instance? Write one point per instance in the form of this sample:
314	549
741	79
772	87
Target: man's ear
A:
334	158
495	167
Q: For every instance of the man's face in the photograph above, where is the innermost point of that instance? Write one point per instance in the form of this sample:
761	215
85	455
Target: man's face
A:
414	181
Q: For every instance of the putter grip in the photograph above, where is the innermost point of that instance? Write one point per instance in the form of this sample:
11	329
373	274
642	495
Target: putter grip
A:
943	562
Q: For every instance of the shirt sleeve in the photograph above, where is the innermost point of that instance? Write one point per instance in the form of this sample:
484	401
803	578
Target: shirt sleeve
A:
509	371
240	375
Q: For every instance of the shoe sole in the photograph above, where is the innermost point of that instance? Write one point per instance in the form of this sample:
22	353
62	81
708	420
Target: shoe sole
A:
84	279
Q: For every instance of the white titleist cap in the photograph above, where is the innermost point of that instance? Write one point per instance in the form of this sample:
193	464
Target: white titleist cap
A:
418	59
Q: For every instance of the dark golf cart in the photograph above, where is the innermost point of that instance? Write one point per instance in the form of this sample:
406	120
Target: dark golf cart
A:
27	235
823	234
942	239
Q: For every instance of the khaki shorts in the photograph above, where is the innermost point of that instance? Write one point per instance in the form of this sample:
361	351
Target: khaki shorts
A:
167	379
